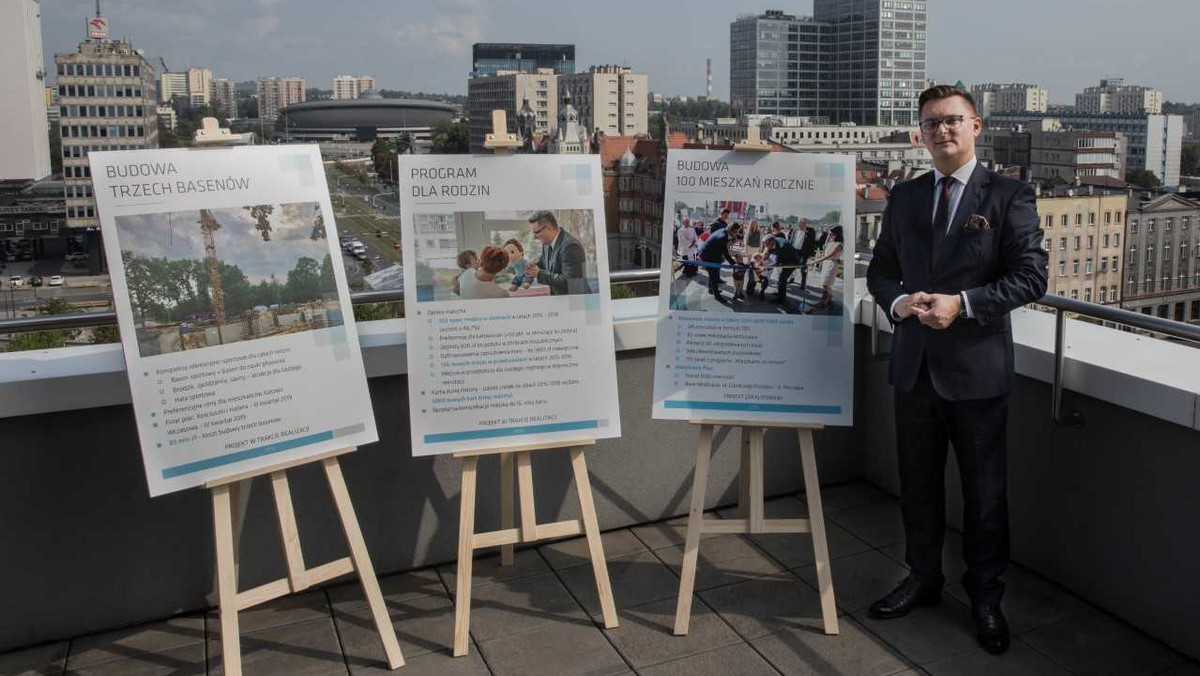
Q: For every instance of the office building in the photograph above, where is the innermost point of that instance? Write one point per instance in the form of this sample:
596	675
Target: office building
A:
224	97
1083	228
1062	155
167	118
107	97
633	169
1009	98
23	133
774	65
1114	96
1154	142
490	58
508	91
610	99
1162	257
199	83
277	93
171	85
346	87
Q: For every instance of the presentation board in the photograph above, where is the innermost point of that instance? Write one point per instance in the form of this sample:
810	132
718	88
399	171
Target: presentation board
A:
754	302
233	307
507	302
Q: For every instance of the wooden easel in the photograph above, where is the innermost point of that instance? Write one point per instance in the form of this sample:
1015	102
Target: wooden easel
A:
501	142
750	511
299	576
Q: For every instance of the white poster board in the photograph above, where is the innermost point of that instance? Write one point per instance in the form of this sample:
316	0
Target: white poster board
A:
234	311
747	356
498	357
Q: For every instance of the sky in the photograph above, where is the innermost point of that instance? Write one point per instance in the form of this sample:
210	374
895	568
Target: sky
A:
1063	45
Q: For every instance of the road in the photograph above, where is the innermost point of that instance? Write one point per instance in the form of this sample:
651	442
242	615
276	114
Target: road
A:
377	227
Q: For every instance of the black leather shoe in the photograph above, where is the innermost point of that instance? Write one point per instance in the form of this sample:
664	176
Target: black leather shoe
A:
908	595
991	630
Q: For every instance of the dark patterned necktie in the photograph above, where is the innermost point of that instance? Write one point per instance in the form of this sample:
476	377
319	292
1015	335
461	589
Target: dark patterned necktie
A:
941	219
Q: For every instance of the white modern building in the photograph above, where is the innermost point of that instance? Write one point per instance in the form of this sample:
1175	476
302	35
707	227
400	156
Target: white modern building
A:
1009	98
171	85
611	99
346	87
1114	96
23	134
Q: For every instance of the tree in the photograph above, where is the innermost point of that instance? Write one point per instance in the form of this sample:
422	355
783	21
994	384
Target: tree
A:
451	138
1189	161
105	334
262	217
45	340
1142	178
168	138
384	158
404	143
318	230
303	281
327	279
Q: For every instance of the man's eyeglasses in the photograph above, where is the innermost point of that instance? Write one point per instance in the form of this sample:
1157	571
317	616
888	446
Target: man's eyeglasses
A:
952	122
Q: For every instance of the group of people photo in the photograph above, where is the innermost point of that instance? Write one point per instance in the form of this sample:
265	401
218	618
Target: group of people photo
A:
762	266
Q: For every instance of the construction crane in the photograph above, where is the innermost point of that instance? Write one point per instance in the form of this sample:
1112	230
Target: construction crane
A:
209	226
164	65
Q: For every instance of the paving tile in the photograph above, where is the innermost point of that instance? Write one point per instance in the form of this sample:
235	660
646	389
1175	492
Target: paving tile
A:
858	580
1029	601
793	550
567	650
186	660
953	565
879	524
669	533
38	661
637	579
1091	642
737	659
135	642
848	496
574	552
927	634
853	651
397	587
647	633
515	606
759	607
297	649
289	609
423	624
430	664
487	569
785	507
1020	660
723	560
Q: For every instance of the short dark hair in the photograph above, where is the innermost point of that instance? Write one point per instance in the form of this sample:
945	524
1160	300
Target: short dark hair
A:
465	257
725	211
938	92
544	215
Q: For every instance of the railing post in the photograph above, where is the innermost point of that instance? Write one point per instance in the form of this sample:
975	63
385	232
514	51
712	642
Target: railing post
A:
1075	418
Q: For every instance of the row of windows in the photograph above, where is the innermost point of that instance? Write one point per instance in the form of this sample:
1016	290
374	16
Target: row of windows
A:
102	111
78	191
1087	266
100	69
103	131
1110	217
1165	283
1168	223
80	171
1166	249
102	91
1091	242
26	225
79	152
81	212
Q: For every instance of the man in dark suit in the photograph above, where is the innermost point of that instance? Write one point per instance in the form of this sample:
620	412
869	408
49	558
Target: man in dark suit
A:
563	263
959	249
788	259
806	246
716	249
721	223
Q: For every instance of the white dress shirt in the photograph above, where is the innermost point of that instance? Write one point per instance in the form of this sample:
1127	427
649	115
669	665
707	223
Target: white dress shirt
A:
958	186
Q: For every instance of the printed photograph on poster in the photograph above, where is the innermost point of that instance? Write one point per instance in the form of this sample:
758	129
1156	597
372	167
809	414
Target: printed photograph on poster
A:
474	255
777	257
211	277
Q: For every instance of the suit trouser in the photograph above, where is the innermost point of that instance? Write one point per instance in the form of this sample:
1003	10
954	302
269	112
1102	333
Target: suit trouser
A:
785	277
714	278
925	422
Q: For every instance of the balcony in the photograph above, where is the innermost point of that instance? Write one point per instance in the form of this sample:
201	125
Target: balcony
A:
102	579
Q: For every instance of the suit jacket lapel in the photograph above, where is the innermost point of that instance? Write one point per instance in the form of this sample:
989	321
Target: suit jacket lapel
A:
971	198
923	220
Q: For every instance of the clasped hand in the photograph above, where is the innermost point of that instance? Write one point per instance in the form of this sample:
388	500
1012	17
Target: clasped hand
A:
935	310
531	270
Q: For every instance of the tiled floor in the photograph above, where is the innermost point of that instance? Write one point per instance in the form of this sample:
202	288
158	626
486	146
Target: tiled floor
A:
756	611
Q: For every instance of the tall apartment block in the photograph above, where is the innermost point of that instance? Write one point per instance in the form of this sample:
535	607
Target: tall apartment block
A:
199	86
107	100
490	58
610	99
1083	228
1009	98
508	91
224	97
861	61
277	93
352	86
23	134
171	85
1055	154
1114	96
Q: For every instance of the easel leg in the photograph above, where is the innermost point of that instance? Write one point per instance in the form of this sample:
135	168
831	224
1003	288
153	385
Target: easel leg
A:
239	497
743	510
288	531
231	649
816	517
529	529
466	553
506	504
691	549
362	562
756	479
587	509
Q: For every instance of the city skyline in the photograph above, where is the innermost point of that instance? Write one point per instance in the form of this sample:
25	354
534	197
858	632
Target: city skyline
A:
431	43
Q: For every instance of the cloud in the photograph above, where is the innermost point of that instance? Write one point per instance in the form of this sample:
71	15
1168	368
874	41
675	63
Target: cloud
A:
458	25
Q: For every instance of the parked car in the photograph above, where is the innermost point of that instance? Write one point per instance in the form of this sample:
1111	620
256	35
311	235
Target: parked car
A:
16	280
76	256
54	280
360	254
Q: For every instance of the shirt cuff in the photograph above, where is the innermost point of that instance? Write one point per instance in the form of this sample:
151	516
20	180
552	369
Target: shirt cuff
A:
892	309
967	304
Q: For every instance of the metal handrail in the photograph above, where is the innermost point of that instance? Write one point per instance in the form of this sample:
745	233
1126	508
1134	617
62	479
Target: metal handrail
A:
79	320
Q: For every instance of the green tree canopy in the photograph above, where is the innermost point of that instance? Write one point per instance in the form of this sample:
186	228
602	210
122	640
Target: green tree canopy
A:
450	138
